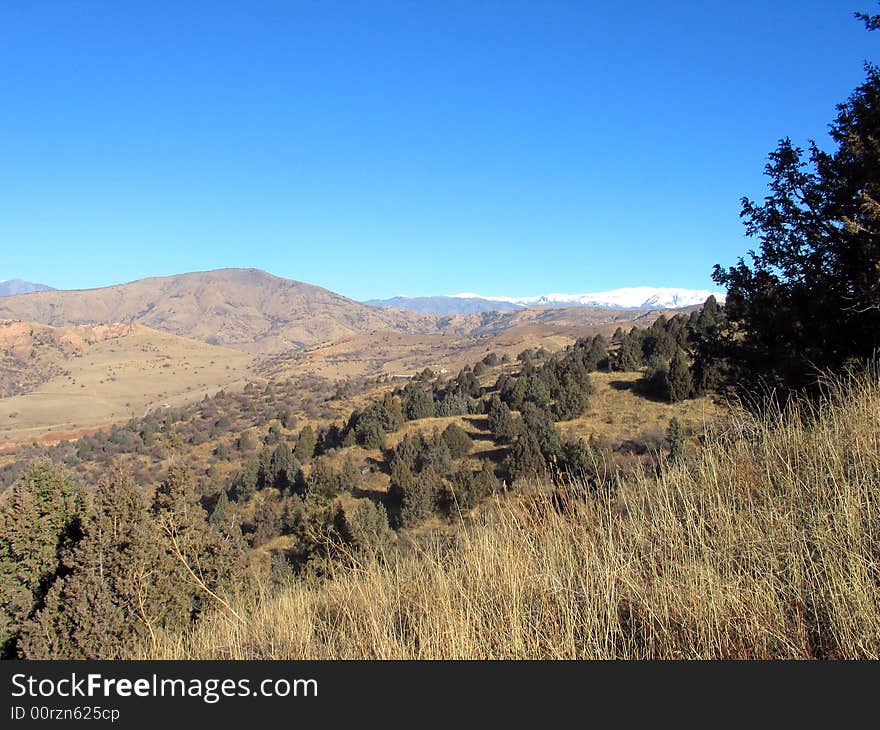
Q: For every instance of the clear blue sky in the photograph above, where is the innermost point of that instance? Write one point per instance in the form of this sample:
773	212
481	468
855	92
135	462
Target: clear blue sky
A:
379	148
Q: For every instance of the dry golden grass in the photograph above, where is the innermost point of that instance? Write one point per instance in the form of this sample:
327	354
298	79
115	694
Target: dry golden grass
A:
116	379
766	546
618	413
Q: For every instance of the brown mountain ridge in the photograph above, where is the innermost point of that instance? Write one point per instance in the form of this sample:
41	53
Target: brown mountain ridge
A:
245	309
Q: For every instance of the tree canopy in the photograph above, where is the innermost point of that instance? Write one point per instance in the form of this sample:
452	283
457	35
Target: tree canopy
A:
809	298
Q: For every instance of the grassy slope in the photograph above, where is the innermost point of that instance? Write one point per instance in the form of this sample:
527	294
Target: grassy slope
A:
765	546
114	379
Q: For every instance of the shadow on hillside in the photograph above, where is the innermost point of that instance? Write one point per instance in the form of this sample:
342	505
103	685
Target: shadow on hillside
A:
380	465
496	456
479	423
642	388
630	446
376	495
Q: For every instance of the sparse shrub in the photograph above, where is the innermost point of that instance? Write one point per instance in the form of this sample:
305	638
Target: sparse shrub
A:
305	444
419	404
457	441
364	525
675	439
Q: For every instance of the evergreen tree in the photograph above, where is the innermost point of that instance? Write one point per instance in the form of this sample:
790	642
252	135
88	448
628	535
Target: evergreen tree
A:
597	356
419	404
457	440
412	494
675	439
407	452
39	523
369	432
467	488
207	564
538	424
582	463
350	475
283	468
453	404
630	356
221	516
305	444
364	526
680	384
391	416
809	298
324	481
118	590
244	484
525	460
656	381
501	421
709	367
267	520
571	398
436	456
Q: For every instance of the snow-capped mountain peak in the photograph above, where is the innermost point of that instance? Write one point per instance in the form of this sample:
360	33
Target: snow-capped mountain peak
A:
639	297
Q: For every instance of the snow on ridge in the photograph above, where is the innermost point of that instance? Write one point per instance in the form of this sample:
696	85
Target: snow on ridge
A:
639	297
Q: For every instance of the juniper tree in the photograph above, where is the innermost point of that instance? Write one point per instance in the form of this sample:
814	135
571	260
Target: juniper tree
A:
364	526
267	520
436	455
324	482
369	432
305	444
350	475
39	523
221	513
283	468
679	381
207	563
501	421
597	356
525	460
412	494
809	298
675	439
119	589
457	440
538	424
630	355
467	488
419	404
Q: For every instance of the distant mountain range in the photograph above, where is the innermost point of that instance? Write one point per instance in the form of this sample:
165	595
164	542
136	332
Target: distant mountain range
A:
14	287
252	310
443	306
641	297
245	309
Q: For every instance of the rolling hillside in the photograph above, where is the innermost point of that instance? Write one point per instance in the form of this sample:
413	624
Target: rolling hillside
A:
245	309
66	380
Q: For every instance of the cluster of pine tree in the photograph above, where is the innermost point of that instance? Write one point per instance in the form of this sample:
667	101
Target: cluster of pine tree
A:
425	396
537	449
674	352
561	385
424	477
97	575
